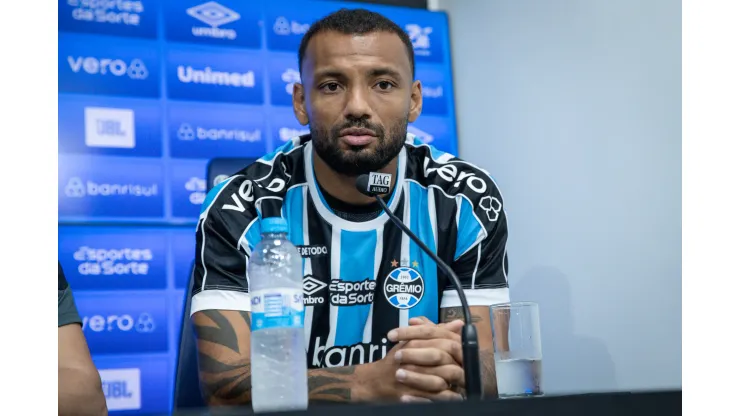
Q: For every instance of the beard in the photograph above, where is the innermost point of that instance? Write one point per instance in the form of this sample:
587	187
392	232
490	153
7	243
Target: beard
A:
361	159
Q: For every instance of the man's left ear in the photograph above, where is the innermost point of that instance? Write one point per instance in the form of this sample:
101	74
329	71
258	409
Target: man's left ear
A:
416	101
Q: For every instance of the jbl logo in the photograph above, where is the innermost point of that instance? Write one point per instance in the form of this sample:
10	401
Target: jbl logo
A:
110	128
122	388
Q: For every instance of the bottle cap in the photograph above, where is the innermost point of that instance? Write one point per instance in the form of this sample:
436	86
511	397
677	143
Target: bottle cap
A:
274	225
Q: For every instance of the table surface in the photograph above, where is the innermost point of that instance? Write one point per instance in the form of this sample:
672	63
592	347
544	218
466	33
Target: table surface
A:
648	403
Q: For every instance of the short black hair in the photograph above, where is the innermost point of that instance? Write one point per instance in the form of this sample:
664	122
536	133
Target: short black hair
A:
355	22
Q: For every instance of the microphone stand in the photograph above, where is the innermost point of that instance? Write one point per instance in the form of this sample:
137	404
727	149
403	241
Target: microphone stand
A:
471	359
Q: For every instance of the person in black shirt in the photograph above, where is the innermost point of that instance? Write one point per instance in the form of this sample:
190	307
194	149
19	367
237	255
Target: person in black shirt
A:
80	389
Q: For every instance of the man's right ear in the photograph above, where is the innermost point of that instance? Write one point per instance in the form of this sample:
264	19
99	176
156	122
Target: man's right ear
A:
299	104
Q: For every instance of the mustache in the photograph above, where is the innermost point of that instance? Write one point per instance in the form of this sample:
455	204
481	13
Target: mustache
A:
358	124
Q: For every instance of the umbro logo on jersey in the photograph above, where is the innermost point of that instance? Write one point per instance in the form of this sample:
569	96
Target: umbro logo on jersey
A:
312	251
311	288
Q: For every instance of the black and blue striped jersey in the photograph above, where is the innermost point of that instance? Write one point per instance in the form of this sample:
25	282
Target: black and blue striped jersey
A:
361	278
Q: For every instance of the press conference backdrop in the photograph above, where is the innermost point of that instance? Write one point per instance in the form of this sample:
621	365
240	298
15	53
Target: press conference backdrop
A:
149	92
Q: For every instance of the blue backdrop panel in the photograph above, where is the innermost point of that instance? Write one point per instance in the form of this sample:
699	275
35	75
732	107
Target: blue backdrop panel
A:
150	91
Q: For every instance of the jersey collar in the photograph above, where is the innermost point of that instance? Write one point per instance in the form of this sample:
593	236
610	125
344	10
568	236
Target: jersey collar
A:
326	213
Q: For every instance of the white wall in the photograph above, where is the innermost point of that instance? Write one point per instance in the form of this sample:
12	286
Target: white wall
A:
575	107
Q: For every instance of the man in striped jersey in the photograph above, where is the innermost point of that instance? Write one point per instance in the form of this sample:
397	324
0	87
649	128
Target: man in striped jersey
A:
367	287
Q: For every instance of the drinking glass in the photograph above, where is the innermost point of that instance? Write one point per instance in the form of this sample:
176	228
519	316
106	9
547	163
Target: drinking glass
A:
517	349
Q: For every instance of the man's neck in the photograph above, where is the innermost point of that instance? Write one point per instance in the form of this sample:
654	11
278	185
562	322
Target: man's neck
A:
343	187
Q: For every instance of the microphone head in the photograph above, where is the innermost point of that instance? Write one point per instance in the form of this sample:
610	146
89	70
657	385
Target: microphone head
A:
362	183
374	184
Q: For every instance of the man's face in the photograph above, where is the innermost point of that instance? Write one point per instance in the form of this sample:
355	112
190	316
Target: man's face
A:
358	95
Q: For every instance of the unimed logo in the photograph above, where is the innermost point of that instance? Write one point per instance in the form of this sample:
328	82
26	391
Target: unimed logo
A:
122	388
135	69
78	188
189	75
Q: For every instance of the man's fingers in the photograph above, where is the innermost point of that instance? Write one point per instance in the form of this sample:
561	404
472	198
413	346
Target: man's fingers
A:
424	382
453	374
424	356
414	399
446	396
421	320
421	332
451	347
454	326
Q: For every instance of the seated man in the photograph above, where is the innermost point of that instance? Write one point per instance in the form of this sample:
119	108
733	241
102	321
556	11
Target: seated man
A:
358	94
80	389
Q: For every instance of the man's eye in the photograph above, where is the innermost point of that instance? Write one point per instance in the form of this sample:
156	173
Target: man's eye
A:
384	85
331	87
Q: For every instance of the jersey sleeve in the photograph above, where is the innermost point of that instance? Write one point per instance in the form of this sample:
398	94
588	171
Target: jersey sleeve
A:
228	228
481	260
67	310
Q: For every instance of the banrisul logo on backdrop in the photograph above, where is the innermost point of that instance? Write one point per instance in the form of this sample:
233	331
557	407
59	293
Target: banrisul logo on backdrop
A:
110	187
285	26
188	187
225	76
112	126
432	90
222	22
283	74
135	384
113	324
203	131
112	258
127	67
132	18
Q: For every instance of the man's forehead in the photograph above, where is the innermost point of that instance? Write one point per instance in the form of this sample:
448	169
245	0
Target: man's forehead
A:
332	48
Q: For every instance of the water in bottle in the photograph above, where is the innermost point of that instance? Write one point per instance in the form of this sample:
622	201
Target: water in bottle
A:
279	371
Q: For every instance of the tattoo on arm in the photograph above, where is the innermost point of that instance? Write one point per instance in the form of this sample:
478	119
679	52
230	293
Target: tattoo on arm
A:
488	373
331	384
223	356
451	314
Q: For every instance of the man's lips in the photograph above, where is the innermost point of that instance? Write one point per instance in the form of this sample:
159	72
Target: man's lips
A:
357	137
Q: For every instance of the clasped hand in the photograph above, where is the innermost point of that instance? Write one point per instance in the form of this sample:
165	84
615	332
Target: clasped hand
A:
426	364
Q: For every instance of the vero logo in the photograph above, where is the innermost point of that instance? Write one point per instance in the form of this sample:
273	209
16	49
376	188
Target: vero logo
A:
109	128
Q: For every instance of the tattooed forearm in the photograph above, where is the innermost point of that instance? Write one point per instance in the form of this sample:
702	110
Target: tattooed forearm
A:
223	356
488	373
482	323
331	384
451	314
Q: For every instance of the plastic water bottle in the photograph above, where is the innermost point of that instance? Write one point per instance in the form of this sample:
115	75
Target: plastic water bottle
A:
279	371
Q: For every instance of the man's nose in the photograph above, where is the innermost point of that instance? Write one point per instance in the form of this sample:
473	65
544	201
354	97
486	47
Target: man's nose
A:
357	104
